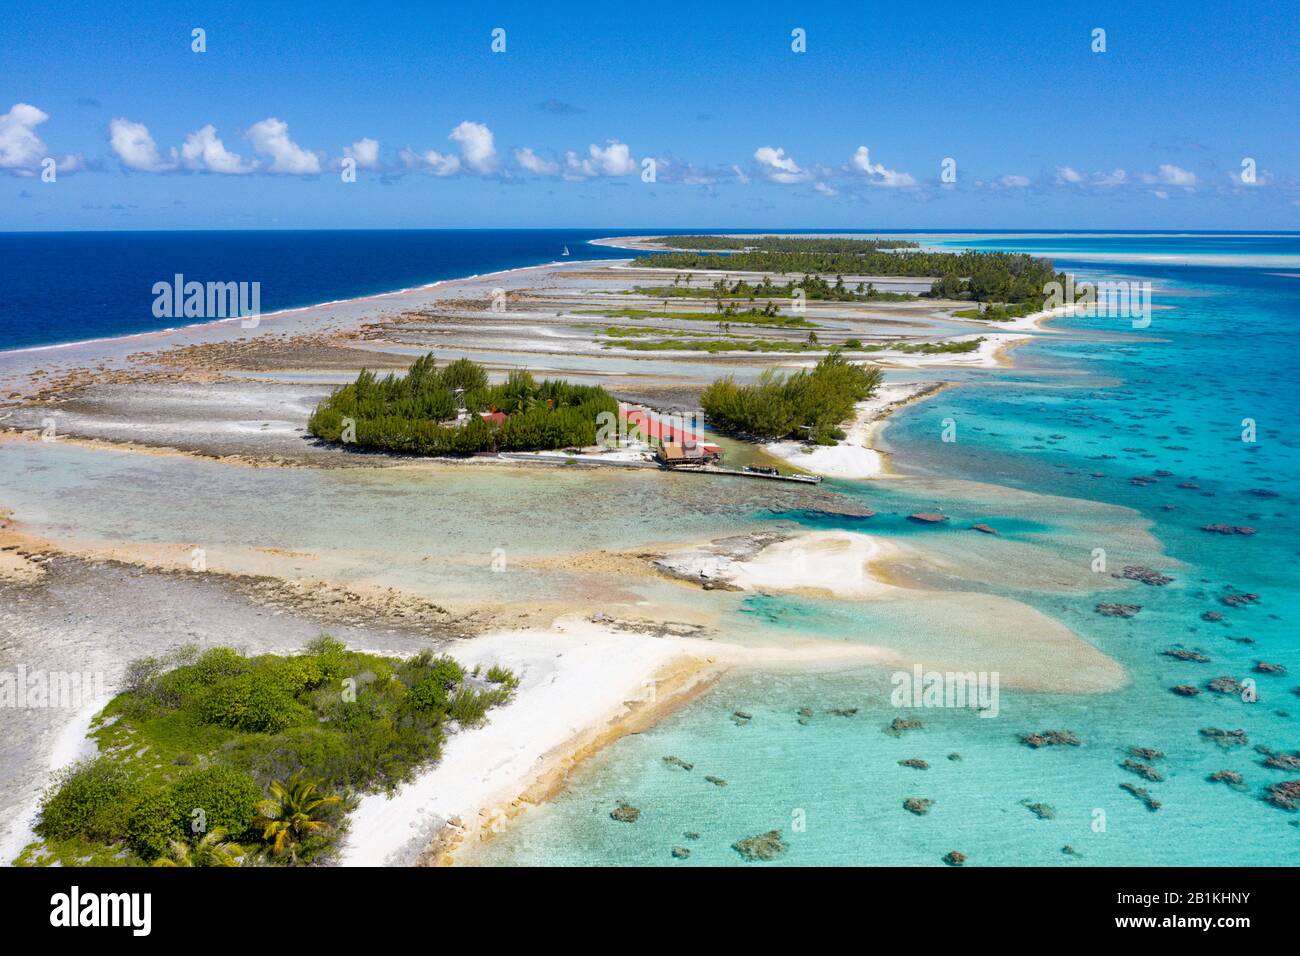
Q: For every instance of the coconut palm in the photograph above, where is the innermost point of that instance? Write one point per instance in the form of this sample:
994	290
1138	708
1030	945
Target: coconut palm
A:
213	849
291	813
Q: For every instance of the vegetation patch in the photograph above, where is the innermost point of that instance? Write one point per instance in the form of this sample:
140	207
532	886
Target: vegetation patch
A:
417	413
785	243
813	287
1000	312
217	759
1003	277
808	404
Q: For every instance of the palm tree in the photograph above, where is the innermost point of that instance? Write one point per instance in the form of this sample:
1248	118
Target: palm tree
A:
213	849
291	813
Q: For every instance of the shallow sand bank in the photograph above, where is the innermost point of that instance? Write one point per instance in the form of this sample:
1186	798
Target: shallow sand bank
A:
955	628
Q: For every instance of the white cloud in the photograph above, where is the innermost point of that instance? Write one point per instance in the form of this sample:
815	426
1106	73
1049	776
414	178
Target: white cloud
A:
365	152
478	153
476	147
270	138
1013	181
877	174
530	161
775	165
21	149
740	175
432	162
825	190
1262	178
136	149
1177	176
1069	176
204	151
614	160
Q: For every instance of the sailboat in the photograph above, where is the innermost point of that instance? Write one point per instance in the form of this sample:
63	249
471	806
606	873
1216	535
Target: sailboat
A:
566	250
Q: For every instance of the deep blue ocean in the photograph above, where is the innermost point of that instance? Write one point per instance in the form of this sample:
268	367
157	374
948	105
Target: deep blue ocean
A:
73	286
58	287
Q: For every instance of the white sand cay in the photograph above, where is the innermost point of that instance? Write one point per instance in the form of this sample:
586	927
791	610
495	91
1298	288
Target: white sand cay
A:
987	355
854	456
956	628
835	561
581	685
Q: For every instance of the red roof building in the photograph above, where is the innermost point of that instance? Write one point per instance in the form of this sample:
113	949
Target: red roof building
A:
671	430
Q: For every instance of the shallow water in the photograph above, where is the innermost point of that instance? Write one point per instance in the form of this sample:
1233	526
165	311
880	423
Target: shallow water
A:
1175	397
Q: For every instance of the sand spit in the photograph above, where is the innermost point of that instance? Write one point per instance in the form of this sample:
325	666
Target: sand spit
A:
855	456
583	686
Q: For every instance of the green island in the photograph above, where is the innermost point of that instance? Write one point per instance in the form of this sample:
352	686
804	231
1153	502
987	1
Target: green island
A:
814	288
217	759
1003	277
453	410
785	243
808	404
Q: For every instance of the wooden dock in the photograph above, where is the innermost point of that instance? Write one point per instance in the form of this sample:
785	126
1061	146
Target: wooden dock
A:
596	461
716	470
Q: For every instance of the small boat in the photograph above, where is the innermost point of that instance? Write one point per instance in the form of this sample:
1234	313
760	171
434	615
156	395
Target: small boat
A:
566	251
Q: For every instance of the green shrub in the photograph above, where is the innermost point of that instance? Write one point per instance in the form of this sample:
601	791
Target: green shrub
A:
260	700
331	656
153	825
226	797
294	674
808	404
470	707
88	799
428	694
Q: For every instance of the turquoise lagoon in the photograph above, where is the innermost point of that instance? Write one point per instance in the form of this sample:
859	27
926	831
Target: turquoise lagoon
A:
1082	416
1046	452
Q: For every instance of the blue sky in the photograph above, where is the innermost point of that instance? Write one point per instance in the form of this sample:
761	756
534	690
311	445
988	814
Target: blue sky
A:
743	131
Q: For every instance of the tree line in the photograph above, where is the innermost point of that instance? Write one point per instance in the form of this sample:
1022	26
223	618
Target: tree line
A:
785	243
415	413
808	404
980	276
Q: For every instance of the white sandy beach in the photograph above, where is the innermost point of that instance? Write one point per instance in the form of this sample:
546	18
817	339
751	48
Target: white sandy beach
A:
854	456
578	683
